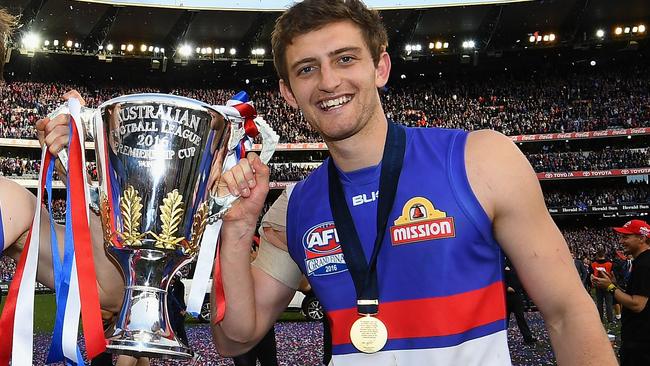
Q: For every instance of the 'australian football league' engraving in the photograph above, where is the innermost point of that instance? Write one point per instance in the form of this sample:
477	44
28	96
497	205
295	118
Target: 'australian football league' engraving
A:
145	132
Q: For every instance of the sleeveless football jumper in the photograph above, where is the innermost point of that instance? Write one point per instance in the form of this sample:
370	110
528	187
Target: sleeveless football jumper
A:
440	270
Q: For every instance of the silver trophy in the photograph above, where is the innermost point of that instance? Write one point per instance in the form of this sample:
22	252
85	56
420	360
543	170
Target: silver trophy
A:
158	156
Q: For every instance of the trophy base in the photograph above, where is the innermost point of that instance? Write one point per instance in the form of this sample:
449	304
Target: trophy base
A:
148	349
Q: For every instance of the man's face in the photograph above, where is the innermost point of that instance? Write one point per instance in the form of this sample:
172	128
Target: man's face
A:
631	243
334	81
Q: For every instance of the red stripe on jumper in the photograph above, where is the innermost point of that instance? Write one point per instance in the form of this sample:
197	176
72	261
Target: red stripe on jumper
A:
432	317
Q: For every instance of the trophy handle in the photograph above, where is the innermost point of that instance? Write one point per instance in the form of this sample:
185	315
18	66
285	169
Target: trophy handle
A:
220	205
86	115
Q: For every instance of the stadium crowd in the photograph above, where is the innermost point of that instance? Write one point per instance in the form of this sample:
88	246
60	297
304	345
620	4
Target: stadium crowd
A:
636	193
22	167
590	160
584	242
514	105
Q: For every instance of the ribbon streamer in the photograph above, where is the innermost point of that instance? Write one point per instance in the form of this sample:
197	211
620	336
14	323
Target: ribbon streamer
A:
241	113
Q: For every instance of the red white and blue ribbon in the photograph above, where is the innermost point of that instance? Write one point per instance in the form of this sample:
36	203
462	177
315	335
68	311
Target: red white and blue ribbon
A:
75	294
17	320
239	111
62	275
87	282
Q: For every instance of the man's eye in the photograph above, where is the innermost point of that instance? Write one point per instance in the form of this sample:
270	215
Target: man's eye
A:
306	70
346	59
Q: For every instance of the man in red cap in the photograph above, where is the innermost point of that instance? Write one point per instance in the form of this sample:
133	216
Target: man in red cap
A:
635	328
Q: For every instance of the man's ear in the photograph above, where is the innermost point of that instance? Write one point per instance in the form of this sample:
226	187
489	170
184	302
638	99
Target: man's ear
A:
287	94
382	72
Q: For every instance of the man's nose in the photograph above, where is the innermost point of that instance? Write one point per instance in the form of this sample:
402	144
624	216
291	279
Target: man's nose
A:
329	79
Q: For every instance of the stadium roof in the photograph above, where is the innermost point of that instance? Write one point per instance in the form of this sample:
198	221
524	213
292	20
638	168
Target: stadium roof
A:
493	27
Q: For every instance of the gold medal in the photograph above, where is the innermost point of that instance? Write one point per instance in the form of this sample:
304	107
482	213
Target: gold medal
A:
368	334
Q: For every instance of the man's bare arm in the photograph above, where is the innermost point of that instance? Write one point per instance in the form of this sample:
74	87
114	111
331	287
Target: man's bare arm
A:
254	299
509	191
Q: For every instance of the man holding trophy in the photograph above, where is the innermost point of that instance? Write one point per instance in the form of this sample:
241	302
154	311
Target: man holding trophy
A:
412	276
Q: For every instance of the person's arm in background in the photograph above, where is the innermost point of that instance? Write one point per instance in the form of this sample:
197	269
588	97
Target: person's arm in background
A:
509	192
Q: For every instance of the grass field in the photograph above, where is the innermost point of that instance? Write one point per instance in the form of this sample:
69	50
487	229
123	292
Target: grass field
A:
45	311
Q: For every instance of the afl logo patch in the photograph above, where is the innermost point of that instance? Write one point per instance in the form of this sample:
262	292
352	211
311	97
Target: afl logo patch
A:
420	221
323	253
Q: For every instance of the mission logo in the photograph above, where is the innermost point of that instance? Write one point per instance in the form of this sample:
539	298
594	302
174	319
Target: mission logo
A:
323	254
420	221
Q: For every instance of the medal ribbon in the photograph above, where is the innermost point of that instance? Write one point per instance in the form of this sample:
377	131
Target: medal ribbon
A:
364	274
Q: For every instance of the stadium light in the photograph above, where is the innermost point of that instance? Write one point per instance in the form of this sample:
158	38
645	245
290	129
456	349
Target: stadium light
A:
531	39
68	44
129	47
31	41
592	63
635	29
618	31
101	47
641	28
56	43
185	50
222	50
469	44
150	48
445	45
600	33
208	50
408	48
143	48
76	45
109	47
156	49
233	52
626	30
46	43
551	37
162	50
545	38
402	76
123	47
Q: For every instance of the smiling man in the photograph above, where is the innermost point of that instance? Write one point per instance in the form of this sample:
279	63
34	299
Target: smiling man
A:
412	275
635	328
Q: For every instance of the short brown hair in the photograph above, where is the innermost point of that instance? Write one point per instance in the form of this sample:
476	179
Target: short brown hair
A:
7	23
311	15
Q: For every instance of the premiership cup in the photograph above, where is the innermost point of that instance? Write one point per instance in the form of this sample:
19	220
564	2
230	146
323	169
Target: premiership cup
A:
157	158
